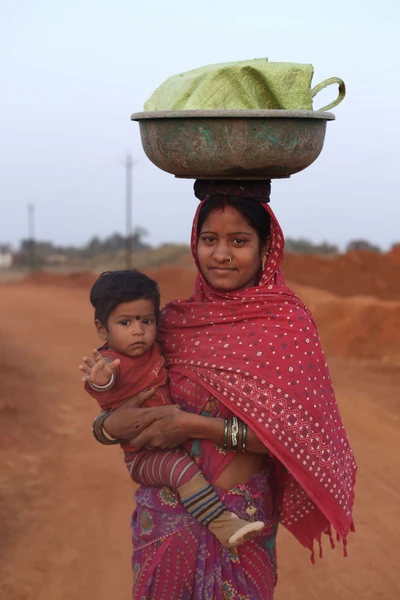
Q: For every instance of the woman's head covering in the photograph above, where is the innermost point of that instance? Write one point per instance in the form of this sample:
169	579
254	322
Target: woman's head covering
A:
258	352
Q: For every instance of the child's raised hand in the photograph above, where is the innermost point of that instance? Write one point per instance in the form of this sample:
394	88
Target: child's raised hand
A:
97	369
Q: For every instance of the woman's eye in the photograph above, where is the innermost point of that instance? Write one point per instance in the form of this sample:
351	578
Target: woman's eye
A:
209	239
239	241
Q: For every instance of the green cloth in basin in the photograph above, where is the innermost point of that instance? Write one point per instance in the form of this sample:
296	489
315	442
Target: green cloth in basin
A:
248	84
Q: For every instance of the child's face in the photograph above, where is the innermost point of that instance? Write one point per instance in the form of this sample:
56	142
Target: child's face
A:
131	327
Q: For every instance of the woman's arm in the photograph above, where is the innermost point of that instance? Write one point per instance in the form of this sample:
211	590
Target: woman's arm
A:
130	419
168	431
209	428
167	426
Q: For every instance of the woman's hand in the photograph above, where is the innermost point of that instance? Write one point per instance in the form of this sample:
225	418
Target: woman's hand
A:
125	421
163	427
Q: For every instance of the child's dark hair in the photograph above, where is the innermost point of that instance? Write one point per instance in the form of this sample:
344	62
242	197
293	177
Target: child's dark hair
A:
114	287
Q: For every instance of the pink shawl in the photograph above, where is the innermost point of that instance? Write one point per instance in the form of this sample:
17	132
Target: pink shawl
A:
258	352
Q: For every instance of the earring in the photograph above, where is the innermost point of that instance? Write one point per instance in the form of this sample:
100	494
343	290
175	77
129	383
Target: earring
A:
264	261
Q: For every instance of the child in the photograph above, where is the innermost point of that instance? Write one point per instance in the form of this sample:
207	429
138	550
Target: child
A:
127	307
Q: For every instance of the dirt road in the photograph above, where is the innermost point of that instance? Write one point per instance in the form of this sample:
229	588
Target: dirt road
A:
65	501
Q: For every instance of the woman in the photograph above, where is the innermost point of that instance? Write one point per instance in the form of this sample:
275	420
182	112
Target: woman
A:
243	352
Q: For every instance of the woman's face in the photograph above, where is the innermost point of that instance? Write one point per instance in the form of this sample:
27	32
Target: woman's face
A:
229	250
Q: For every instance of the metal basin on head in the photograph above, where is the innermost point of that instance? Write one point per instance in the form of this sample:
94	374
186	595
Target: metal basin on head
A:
233	144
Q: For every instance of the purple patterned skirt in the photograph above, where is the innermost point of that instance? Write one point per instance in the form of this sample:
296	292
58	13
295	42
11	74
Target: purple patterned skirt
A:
176	558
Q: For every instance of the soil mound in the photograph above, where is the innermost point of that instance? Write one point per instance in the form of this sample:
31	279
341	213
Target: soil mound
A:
357	273
394	254
174	282
357	327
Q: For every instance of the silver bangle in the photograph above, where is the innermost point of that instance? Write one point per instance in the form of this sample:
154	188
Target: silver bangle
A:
102	388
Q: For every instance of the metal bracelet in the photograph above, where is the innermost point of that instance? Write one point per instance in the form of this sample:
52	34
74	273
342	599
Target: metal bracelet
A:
229	444
98	431
234	433
244	438
225	446
240	436
103	388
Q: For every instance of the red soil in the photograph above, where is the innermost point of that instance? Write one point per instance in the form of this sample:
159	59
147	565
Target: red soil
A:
366	325
358	273
65	501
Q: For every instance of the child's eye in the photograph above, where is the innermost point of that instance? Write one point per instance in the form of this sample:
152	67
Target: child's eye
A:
125	322
148	321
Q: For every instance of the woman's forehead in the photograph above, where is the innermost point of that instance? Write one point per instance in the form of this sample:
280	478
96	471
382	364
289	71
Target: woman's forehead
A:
226	218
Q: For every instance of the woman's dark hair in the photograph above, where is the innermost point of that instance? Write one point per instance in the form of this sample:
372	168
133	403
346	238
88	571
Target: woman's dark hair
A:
114	287
256	215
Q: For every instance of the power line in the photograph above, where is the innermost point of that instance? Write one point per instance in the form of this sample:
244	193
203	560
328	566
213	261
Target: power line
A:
128	209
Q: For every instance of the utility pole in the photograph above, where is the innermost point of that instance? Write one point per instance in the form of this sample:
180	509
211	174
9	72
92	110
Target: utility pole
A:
128	210
31	236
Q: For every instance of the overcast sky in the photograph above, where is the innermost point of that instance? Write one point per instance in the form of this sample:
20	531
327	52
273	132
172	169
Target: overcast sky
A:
72	72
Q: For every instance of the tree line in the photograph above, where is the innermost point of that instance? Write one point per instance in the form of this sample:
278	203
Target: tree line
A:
44	252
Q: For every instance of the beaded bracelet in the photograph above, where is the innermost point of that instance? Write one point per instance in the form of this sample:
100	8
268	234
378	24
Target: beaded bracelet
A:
98	431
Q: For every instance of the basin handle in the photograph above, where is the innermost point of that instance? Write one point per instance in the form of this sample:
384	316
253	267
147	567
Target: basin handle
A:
324	84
